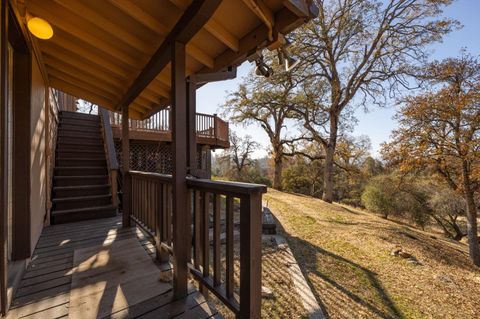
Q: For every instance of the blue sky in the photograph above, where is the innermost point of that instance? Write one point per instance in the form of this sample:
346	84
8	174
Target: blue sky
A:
378	123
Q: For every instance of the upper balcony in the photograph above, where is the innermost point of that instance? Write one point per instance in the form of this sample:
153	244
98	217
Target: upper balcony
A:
211	130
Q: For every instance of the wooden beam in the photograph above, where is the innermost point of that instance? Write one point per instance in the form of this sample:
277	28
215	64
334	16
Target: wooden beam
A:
3	155
154	25
264	13
179	176
286	21
214	28
222	34
203	78
302	8
189	24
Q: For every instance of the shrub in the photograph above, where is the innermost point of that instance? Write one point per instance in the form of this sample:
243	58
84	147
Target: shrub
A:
380	196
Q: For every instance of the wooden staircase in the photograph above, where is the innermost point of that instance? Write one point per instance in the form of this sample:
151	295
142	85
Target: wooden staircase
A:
81	187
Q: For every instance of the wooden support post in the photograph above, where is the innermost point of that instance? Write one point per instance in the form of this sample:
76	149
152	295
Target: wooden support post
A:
250	255
22	90
179	176
3	154
192	130
127	187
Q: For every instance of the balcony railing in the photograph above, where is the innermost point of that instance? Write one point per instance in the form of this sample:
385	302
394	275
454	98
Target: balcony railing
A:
210	128
225	224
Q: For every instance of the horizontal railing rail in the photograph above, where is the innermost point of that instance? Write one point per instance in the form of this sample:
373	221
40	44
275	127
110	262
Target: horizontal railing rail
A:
207	126
225	220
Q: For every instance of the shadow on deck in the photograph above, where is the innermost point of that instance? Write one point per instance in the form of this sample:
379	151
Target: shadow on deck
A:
97	269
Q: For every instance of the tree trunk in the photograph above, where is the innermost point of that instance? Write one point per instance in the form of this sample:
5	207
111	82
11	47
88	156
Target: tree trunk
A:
472	233
278	165
277	174
329	158
328	175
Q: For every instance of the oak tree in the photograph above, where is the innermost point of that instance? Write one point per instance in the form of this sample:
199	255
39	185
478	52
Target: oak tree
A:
440	128
359	49
268	102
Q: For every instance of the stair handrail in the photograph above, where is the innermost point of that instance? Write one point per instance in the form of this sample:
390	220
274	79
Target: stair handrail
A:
51	144
111	155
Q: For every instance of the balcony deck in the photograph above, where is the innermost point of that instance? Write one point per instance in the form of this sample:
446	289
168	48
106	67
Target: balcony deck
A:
210	129
75	272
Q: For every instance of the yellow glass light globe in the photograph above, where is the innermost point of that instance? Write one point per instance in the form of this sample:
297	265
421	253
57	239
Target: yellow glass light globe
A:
40	28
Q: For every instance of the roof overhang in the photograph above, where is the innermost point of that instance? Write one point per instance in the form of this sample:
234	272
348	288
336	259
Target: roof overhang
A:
117	52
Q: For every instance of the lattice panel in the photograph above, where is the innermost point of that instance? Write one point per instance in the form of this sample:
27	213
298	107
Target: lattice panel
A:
147	156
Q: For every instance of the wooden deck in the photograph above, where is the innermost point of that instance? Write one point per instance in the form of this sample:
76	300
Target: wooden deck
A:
49	288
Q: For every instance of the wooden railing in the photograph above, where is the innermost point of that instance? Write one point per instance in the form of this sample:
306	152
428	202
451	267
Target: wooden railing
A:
229	205
51	142
111	155
207	126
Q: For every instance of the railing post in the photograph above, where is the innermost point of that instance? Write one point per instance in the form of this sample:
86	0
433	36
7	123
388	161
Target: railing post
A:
179	176
215	126
127	187
250	255
3	155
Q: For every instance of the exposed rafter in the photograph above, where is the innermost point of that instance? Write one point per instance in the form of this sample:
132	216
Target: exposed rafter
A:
192	20
264	13
214	28
115	29
286	21
137	13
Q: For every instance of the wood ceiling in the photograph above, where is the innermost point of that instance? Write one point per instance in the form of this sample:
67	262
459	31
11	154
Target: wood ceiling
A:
101	47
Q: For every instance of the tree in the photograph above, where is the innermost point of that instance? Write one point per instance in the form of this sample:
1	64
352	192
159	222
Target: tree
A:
239	155
441	129
268	102
381	195
447	206
356	53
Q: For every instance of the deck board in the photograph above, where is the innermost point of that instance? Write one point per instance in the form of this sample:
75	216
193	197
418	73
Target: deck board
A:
46	288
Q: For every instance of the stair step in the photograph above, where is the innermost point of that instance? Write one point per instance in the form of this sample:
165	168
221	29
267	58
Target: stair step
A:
86	190
62	147
72	215
81	201
79	140
79	122
80	133
73	162
78	115
66	127
80	170
75	153
80	180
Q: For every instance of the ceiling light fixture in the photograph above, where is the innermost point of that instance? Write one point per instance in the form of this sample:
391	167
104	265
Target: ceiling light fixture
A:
39	28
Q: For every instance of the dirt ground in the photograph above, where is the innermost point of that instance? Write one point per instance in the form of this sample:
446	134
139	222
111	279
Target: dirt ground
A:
345	255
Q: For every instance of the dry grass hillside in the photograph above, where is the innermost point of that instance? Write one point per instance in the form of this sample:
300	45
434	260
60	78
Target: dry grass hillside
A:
345	255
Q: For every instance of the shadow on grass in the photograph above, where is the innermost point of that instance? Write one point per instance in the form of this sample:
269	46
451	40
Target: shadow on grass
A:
326	273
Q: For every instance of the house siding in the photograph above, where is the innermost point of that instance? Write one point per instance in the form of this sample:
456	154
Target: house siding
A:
38	191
